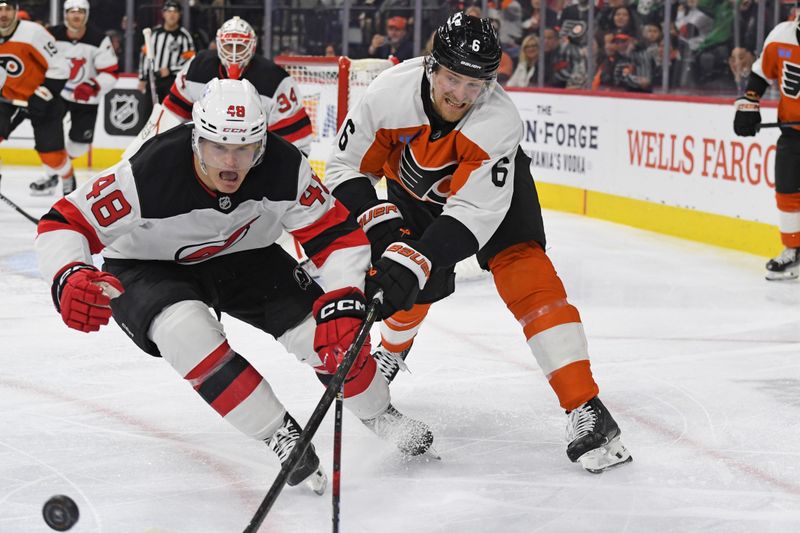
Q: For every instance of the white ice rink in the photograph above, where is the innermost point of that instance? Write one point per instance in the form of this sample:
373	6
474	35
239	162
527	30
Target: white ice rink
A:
697	357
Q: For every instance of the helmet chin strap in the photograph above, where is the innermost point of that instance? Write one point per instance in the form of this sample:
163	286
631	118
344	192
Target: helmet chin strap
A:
234	71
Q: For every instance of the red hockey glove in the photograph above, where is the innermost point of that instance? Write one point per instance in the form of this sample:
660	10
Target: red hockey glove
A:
339	315
400	273
383	224
85	90
82	294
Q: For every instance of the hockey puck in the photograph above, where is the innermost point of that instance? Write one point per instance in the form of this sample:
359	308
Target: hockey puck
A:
60	512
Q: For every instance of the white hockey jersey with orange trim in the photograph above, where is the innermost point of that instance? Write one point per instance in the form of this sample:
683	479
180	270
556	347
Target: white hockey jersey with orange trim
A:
468	171
30	55
780	60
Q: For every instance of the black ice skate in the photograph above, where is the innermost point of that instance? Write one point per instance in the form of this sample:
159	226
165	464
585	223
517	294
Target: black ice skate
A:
411	436
45	186
282	442
785	266
69	185
389	363
593	438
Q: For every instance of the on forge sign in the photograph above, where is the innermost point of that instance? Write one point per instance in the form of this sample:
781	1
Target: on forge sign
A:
124	112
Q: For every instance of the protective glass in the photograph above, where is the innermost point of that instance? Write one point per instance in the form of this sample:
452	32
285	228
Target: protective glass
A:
229	157
464	88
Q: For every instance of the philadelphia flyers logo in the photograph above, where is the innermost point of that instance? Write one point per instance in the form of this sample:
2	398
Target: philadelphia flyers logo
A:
194	253
790	80
13	65
428	184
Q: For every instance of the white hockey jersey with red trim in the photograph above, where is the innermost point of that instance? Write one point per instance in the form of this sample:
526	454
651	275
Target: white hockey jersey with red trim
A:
30	55
154	207
91	60
468	171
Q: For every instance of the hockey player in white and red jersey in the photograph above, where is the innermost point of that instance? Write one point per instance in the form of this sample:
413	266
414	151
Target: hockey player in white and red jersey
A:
205	238
459	184
33	70
779	61
235	58
93	71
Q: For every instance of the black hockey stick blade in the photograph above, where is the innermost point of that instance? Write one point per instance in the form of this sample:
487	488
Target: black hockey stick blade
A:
316	417
17	208
778	124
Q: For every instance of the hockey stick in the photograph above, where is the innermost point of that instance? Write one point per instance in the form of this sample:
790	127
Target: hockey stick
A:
14	101
337	457
150	55
17	208
778	124
315	420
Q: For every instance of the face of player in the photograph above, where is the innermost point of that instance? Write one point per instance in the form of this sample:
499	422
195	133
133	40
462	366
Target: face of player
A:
454	94
8	17
76	18
172	18
226	165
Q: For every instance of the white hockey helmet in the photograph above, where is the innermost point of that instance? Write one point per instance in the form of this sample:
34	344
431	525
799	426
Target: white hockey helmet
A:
229	112
236	44
69	5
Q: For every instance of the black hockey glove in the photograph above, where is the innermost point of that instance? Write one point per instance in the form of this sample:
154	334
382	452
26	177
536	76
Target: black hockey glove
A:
383	224
748	116
400	273
39	101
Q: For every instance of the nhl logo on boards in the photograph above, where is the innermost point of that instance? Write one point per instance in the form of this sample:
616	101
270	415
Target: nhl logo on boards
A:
225	202
123	111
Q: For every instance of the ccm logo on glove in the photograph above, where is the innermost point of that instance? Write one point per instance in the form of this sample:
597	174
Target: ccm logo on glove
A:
342	306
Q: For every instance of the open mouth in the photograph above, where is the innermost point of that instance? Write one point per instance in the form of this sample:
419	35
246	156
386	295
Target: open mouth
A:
454	104
228	175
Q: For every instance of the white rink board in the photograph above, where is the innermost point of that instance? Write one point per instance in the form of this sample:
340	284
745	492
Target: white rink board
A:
680	154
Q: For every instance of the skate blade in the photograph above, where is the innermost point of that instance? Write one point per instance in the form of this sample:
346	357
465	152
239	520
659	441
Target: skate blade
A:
786	275
431	453
49	192
317	482
601	459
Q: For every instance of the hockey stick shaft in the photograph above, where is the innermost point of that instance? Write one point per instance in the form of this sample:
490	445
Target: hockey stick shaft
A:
17	208
778	124
315	420
337	458
150	55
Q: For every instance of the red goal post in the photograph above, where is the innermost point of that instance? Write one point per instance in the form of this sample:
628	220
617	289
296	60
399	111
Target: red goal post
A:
329	87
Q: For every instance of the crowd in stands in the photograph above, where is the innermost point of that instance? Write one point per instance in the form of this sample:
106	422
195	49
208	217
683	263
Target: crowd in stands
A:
712	43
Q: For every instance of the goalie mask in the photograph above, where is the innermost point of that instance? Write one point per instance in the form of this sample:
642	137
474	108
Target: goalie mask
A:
236	44
229	113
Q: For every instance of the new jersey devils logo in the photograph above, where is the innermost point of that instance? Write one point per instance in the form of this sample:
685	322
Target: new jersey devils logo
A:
429	184
194	253
76	68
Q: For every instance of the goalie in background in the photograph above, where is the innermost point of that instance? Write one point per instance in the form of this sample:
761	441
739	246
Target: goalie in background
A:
35	71
174	249
458	183
93	72
778	62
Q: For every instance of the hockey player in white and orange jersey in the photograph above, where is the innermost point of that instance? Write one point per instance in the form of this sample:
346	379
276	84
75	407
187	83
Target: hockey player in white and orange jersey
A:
34	71
446	138
235	58
174	249
93	71
779	61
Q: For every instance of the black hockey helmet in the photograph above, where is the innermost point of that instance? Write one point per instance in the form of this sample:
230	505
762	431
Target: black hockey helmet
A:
467	45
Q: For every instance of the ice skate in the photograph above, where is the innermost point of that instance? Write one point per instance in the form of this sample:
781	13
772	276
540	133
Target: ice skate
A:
593	438
69	185
282	442
785	266
45	186
411	436
389	363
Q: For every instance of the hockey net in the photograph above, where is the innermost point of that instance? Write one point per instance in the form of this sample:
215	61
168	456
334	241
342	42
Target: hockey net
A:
330	87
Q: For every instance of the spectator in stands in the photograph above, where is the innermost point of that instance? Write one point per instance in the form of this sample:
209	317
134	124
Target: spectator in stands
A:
577	11
525	73
550	49
633	71
506	67
533	15
395	43
605	17
740	63
330	50
510	31
650	11
606	63
624	21
570	68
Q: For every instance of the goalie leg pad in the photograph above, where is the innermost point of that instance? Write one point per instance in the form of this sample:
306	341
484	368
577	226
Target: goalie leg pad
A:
193	341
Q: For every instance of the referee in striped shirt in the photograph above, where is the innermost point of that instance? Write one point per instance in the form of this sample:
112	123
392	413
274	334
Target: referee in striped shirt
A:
172	47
